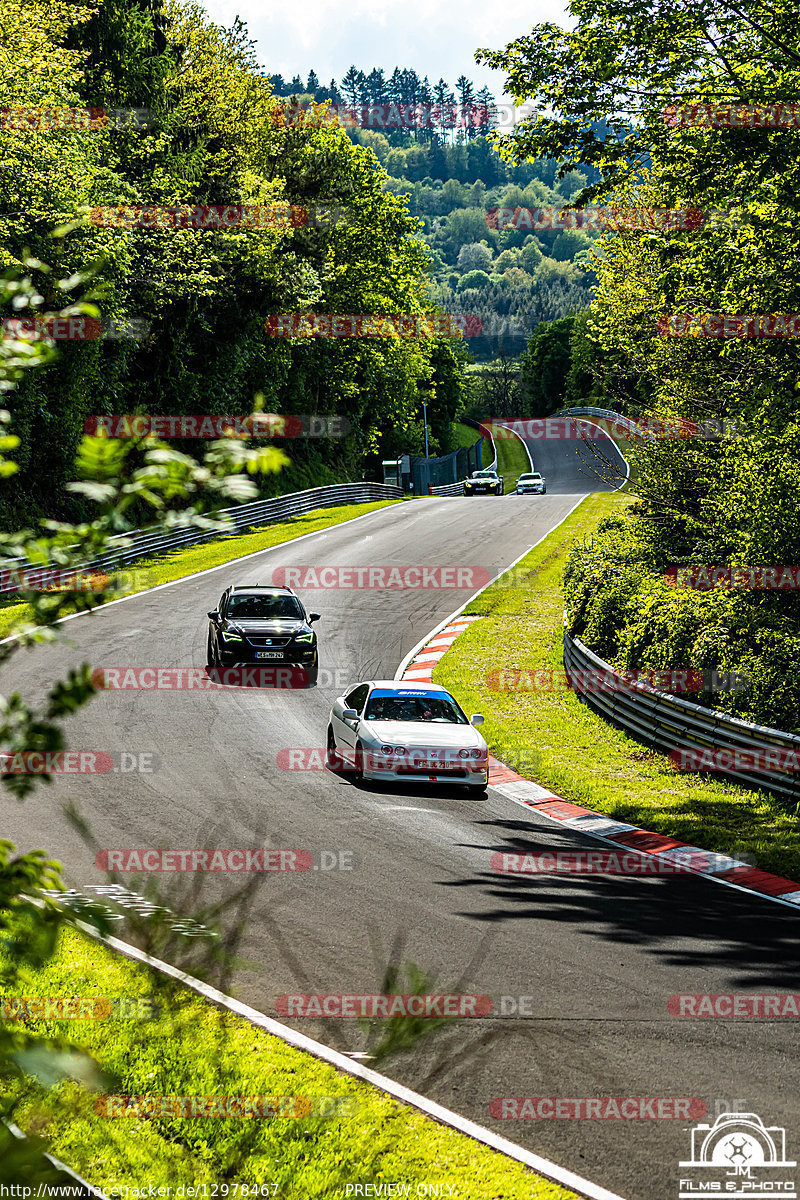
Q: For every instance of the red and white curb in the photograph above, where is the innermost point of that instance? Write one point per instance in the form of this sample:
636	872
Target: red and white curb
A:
719	867
422	664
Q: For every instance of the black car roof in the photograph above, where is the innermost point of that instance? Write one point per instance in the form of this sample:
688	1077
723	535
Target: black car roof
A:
262	587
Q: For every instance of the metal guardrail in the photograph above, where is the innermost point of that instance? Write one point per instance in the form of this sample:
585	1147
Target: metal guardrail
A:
144	542
669	724
626	423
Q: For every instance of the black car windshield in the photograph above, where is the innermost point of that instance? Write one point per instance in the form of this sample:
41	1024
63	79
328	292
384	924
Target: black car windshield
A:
484	475
264	608
414	706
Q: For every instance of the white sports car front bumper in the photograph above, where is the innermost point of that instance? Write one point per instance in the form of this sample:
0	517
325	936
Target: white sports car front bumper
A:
378	767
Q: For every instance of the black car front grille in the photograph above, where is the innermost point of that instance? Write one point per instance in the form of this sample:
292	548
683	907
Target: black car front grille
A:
271	643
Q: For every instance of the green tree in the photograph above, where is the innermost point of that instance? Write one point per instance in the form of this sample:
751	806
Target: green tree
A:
545	366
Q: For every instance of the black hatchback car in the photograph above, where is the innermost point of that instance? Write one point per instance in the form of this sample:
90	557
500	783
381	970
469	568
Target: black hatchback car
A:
262	624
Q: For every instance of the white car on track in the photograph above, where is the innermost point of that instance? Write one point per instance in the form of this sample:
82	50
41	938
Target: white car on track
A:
395	731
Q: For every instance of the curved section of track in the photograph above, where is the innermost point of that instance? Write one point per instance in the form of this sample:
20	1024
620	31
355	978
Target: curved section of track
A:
597	957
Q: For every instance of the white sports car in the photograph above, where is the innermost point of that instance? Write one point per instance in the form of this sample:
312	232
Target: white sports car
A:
395	731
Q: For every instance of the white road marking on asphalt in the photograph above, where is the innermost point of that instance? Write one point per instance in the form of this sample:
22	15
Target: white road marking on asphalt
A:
457	612
446	1116
279	547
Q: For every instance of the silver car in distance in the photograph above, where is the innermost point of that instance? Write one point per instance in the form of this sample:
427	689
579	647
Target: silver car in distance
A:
531	482
396	731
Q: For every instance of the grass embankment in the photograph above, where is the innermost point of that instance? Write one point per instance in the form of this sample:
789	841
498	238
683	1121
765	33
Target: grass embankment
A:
572	750
464	436
175	564
194	1049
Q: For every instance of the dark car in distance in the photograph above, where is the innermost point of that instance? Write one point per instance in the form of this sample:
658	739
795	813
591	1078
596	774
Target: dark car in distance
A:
263	624
483	483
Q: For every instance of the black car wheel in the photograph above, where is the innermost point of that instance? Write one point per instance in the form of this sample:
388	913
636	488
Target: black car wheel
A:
358	769
210	654
333	758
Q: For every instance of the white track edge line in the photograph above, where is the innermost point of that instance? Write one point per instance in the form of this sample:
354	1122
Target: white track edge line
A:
457	612
209	570
627	478
302	1042
521	438
407	660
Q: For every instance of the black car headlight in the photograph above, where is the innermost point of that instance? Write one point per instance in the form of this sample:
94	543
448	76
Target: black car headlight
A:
304	637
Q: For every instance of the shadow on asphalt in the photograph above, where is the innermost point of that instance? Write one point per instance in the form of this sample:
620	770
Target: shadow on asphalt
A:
686	920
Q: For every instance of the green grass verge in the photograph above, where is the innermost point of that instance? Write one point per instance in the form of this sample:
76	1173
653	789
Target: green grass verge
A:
575	752
512	461
175	564
464	436
193	1048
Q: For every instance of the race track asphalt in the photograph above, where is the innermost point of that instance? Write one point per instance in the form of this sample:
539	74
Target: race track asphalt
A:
600	956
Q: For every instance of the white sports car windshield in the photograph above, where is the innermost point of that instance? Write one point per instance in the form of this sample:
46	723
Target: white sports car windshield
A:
432	707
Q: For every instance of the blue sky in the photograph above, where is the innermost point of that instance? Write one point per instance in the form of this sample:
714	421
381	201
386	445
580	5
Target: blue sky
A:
437	39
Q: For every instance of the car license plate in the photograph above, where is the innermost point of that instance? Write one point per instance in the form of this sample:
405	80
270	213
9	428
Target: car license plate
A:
435	766
269	654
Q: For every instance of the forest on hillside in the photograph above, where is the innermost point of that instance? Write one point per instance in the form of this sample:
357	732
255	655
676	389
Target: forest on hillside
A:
453	179
195	299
